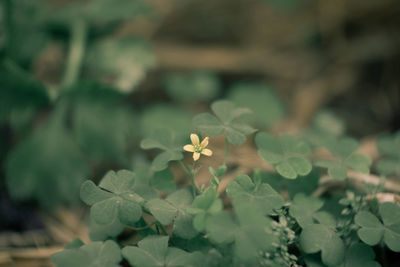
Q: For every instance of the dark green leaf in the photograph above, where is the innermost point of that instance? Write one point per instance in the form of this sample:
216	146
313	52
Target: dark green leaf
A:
287	155
95	254
318	237
225	121
165	140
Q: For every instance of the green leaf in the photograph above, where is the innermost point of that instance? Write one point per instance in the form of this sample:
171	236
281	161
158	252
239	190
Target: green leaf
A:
20	93
287	155
225	121
163	139
153	251
92	121
123	61
121	201
203	206
372	230
360	255
47	166
101	232
262	197
318	237
162	210
163	116
250	232
221	228
344	150
389	147
260	98
304	209
164	181
183	223
95	254
203	86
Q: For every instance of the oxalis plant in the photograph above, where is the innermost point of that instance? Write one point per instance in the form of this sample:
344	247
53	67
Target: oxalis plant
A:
260	218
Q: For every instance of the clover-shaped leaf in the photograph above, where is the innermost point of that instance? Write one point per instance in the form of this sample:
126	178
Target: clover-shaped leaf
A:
260	98
117	196
100	232
124	61
372	230
47	166
261	196
389	147
318	237
305	209
249	230
163	139
94	254
360	255
153	251
174	208
225	121
203	86
345	158
203	206
287	155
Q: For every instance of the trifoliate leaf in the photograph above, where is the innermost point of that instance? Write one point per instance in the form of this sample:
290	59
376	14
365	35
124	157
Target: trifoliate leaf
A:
153	251
203	206
123	61
360	255
203	86
389	147
304	208
372	230
262	197
287	155
95	254
122	199
225	121
318	237
183	223
19	92
100	232
249	230
92	122
48	166
162	210
163	181
344	150
163	139
162	116
266	106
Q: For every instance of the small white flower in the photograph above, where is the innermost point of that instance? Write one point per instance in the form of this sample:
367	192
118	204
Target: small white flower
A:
198	148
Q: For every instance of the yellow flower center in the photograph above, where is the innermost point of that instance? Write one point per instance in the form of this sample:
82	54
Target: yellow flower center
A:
198	148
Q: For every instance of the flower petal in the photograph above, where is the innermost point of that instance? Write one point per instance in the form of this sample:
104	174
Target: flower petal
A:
195	139
204	143
188	148
196	156
207	152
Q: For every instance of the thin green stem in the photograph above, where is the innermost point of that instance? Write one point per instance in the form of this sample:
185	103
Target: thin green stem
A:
191	175
79	31
141	228
161	227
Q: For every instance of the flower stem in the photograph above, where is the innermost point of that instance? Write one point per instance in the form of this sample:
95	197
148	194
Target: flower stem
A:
191	176
79	30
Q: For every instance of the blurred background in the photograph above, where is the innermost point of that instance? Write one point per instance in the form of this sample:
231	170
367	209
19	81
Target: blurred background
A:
83	81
